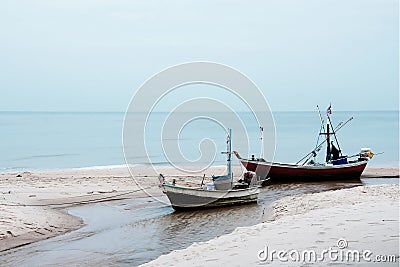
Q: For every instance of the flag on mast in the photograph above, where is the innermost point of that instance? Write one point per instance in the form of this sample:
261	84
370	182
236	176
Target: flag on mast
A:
329	109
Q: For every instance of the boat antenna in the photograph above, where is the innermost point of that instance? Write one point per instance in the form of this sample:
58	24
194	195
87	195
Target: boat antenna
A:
262	141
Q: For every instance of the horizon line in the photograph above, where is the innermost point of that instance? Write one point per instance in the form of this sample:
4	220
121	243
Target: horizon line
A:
165	111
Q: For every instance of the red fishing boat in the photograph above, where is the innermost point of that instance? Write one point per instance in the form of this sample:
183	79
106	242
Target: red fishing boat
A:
335	167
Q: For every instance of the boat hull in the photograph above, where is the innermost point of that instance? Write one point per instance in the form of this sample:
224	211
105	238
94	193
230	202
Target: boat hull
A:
185	198
278	172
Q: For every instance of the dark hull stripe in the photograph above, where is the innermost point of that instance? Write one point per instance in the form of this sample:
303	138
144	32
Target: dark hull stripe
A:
287	172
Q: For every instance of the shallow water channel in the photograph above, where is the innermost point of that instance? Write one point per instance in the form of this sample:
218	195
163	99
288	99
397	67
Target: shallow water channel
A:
132	232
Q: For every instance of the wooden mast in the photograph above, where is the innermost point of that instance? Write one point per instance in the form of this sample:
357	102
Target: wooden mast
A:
230	154
334	135
262	142
328	147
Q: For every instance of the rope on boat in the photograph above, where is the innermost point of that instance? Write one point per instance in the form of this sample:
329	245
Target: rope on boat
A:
177	176
74	202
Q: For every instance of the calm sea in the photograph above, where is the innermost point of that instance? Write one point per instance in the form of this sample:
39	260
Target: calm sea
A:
54	140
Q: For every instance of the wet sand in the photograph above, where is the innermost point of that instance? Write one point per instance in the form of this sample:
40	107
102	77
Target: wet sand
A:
34	204
381	172
134	231
355	219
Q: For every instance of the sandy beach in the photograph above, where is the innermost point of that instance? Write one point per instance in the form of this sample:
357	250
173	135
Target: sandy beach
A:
364	218
101	97
33	204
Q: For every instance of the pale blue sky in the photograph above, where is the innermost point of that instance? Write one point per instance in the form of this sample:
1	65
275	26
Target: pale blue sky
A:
91	55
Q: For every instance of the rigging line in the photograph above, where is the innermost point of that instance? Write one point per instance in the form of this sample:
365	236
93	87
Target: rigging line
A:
316	145
315	150
320	117
304	163
176	176
334	134
73	202
340	126
322	123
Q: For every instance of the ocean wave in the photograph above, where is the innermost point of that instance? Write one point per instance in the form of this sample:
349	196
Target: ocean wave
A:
44	156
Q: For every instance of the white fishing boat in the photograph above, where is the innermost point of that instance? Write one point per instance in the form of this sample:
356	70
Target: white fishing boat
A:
221	192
